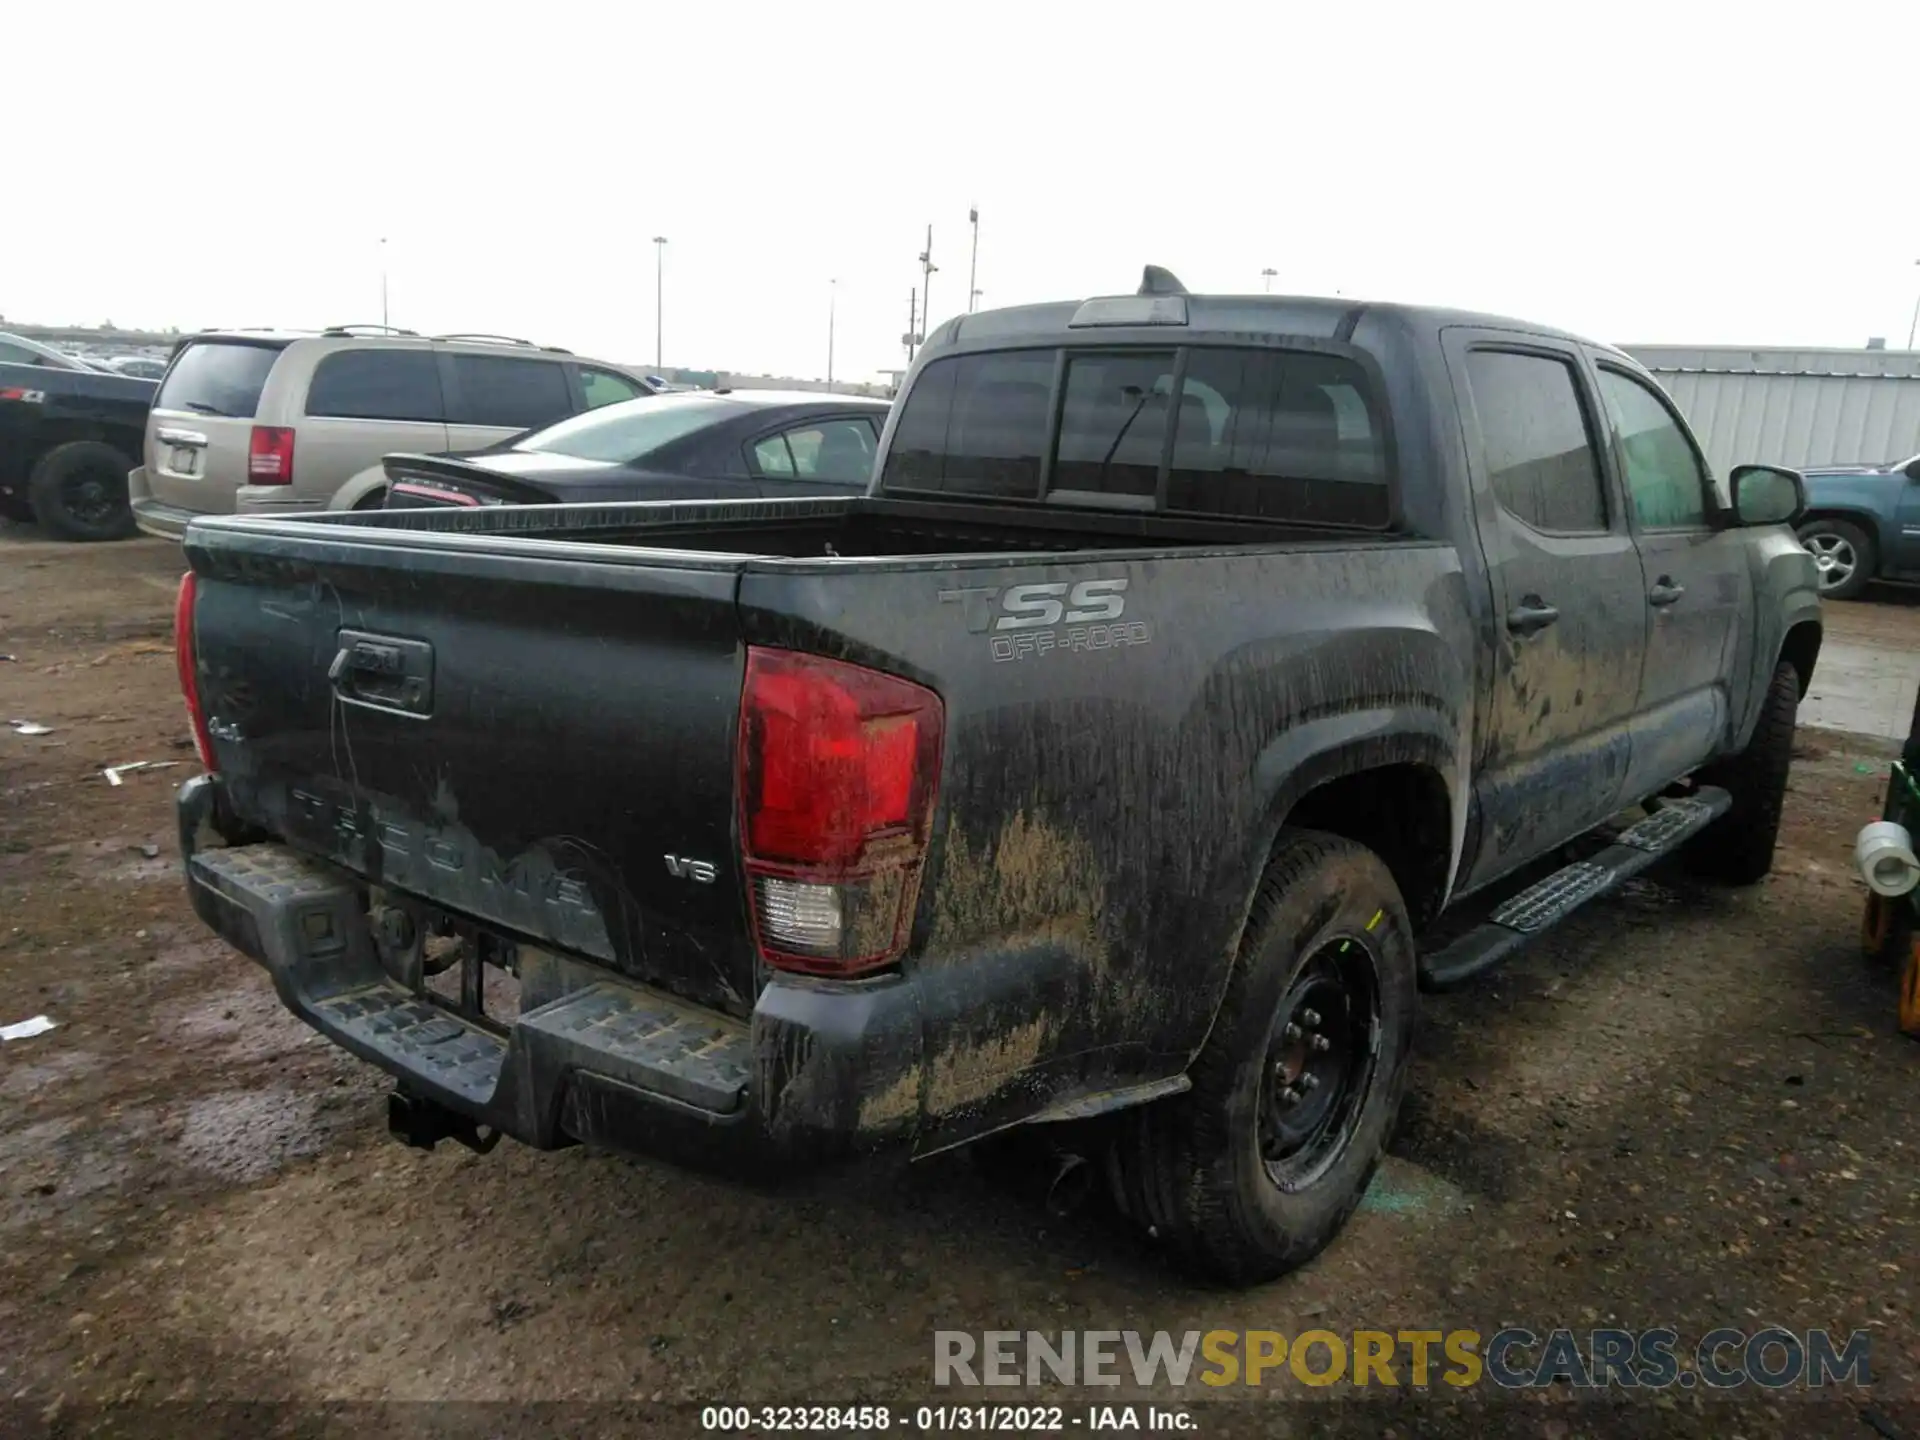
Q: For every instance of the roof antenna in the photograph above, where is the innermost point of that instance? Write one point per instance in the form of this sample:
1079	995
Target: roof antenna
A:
1157	281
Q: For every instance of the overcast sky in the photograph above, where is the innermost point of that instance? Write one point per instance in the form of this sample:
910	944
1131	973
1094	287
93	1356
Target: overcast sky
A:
1680	171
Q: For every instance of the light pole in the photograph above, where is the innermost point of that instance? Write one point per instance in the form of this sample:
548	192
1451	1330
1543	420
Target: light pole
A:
1915	325
383	282
973	264
659	290
1266	279
976	300
927	268
833	297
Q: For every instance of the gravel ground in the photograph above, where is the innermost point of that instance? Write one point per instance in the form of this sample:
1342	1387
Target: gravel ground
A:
1686	1107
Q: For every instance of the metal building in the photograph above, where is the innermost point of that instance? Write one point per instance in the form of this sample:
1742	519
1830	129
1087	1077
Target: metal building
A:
1793	407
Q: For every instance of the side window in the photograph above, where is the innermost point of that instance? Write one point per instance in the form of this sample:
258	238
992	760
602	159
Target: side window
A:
18	355
603	387
1533	430
376	385
508	393
772	458
1663	472
836	450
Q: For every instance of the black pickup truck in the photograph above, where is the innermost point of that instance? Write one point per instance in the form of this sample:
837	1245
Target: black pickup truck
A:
1123	758
68	437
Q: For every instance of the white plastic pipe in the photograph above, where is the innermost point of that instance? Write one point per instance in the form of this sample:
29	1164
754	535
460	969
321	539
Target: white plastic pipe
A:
1884	855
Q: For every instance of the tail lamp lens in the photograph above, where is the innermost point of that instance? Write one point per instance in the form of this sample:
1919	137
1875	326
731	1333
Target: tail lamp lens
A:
270	456
838	769
185	660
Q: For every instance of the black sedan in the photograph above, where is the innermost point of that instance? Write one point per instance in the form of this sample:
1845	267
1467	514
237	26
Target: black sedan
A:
695	445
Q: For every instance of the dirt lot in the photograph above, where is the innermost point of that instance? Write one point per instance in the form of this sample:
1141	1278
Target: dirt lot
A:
1689	1107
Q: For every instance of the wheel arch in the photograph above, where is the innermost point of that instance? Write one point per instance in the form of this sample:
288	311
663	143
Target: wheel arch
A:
1391	779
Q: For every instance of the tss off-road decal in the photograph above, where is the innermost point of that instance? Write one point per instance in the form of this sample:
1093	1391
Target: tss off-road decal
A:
1050	617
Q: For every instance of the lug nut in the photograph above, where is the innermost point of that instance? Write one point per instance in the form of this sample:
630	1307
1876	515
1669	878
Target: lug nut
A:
1310	1082
1289	1096
1292	1032
1310	1018
1320	1042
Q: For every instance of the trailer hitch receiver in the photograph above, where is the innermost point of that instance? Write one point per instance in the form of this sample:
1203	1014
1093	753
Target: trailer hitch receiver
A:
421	1123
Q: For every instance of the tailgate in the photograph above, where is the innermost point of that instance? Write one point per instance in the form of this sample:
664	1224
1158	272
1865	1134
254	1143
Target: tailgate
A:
540	737
200	431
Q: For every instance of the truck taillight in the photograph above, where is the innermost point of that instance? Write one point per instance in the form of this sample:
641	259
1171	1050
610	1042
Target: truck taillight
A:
838	766
183	658
270	456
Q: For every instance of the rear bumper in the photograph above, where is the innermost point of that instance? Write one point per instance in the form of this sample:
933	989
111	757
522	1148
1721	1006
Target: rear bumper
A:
593	1056
156	517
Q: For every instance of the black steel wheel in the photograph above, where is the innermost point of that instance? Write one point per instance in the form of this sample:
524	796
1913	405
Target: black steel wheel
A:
1320	1060
1254	1170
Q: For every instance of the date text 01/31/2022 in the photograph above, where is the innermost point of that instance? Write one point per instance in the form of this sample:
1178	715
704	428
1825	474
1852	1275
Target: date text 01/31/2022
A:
873	1419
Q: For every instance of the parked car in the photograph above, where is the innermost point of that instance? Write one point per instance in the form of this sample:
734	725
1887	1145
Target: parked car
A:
143	366
19	350
1108	767
274	423
1863	524
68	437
719	444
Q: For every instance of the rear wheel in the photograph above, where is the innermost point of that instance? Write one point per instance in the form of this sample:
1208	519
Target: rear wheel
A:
79	492
1256	1168
1738	847
1843	554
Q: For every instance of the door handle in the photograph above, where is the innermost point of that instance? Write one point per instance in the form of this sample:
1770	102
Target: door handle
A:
1665	592
1531	614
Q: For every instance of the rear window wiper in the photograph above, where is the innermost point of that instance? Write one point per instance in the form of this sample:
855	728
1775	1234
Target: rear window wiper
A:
200	407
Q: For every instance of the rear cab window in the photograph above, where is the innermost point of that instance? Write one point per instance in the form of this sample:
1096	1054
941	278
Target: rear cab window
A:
1222	431
218	377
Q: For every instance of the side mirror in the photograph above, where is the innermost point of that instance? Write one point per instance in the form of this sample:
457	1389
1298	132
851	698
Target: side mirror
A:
1912	468
1767	495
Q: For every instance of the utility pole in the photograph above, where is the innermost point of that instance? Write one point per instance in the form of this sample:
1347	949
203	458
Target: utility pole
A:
973	264
659	291
912	337
383	283
927	267
1266	279
1914	327
833	297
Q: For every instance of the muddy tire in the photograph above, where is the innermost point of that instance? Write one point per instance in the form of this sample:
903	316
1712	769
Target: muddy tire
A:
1255	1169
1845	554
1737	849
79	492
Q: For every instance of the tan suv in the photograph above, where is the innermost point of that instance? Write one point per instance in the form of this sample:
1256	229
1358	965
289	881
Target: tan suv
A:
266	422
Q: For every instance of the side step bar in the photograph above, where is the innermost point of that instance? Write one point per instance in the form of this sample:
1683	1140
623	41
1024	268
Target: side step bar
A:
1545	904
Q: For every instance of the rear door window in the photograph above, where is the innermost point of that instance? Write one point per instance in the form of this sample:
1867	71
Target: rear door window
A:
218	377
975	425
1539	452
508	393
377	385
840	451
